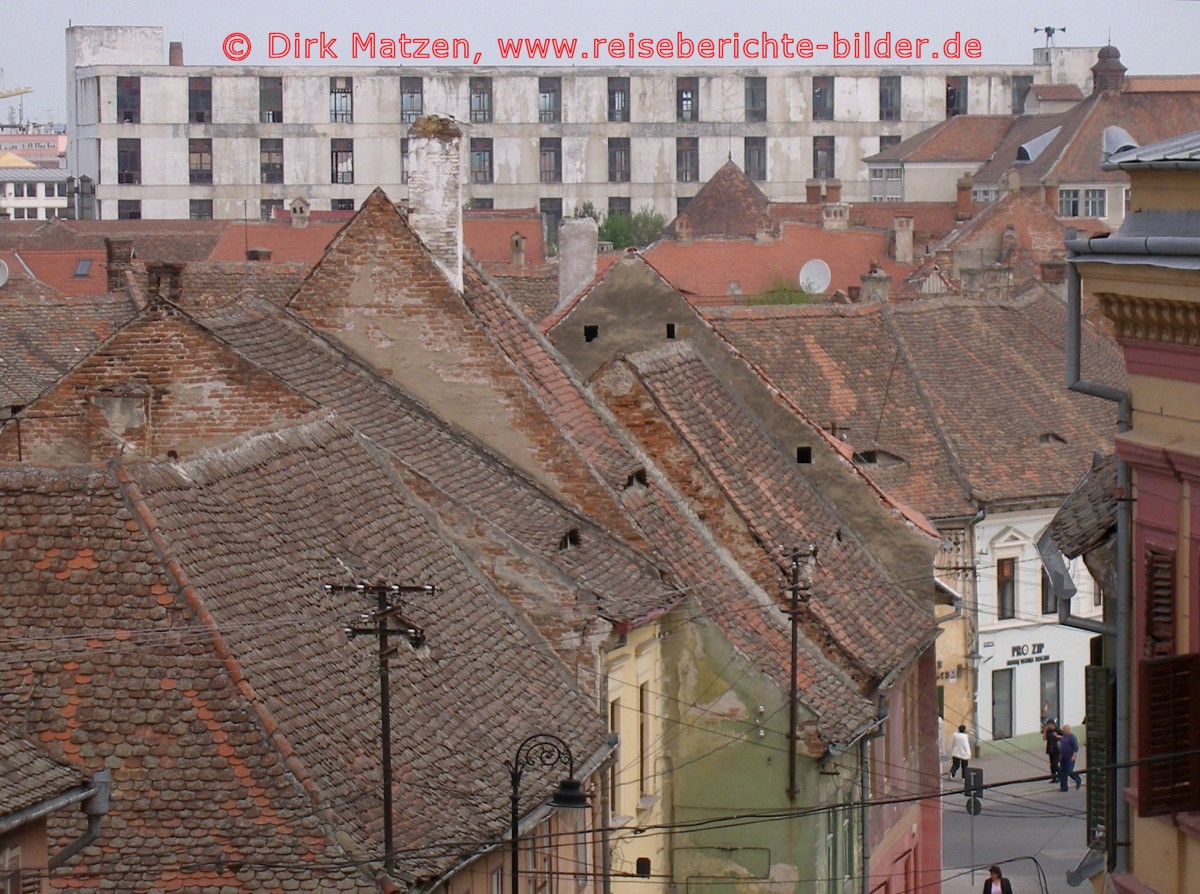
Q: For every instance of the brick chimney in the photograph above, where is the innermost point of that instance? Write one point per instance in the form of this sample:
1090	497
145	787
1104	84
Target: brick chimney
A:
577	246
118	259
174	53
964	203
258	254
812	192
903	228
1050	193
875	284
435	191
833	191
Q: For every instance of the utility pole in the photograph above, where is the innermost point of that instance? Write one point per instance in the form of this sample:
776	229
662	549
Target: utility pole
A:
809	553
377	623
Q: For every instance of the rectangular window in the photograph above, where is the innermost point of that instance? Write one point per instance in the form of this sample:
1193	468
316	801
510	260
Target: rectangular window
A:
341	100
549	100
687	159
756	99
1050	695
956	95
1006	589
341	204
129	161
481	160
823	158
756	158
618	160
888	140
266	208
1095	203
483	204
681	204
270	100
412	99
550	160
1068	203
1049	602
889	98
614	775
129	209
11	881
687	99
1159	602
620	205
822	99
1128	199
552	212
481	100
270	161
1168	725
129	100
200	100
985	195
341	161
200	162
1002	704
404	159
618	99
1020	86
200	209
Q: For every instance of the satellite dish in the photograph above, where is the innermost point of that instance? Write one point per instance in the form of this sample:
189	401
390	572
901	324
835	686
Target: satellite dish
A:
815	276
3	273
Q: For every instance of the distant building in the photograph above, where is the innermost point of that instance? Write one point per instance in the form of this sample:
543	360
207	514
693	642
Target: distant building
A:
28	192
226	142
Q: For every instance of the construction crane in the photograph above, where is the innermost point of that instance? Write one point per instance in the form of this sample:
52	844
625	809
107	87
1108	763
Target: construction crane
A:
15	91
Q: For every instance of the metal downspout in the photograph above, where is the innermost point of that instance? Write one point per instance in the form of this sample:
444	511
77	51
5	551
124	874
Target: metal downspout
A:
1123	670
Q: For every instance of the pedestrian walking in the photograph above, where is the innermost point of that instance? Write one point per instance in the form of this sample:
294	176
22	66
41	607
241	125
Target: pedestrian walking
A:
997	883
1051	735
960	751
1068	751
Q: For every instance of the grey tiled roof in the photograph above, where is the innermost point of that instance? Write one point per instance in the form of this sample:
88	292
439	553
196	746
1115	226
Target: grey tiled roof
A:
30	776
1090	512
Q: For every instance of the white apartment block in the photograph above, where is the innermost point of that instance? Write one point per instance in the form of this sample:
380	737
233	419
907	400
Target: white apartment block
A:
171	141
33	193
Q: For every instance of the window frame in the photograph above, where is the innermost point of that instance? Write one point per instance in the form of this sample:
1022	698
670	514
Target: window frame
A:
200	161
1006	588
957	86
129	161
687	159
266	165
618	99
200	100
823	98
756	99
824	147
1069	202
619	152
270	89
129	99
341	161
129	209
480	101
412	99
755	146
341	100
687	100
482	160
1095	202
203	205
550	149
549	100
890	89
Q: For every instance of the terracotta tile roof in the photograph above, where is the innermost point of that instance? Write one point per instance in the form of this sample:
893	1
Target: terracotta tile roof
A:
963	138
445	457
488	233
287	244
932	221
209	283
1161	83
61	269
275	516
1057	92
869	615
41	337
729	204
29	775
916	383
1089	514
706	268
111	668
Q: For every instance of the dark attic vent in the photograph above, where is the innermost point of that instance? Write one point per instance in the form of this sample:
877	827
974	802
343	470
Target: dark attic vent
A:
670	330
804	454
569	539
637	476
876	458
591	333
1051	438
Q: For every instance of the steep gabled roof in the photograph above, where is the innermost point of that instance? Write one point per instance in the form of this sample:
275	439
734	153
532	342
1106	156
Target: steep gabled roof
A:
730	204
1089	514
963	138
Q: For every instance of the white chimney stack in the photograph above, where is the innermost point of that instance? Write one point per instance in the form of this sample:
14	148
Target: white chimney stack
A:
435	191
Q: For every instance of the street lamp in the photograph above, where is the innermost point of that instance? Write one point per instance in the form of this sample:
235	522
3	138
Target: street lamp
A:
541	750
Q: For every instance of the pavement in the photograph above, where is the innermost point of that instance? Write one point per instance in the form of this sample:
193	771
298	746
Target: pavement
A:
1021	826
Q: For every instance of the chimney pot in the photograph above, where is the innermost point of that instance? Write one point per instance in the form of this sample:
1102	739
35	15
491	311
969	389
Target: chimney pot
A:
174	53
258	254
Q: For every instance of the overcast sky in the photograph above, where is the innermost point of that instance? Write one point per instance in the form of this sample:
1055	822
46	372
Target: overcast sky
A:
1154	36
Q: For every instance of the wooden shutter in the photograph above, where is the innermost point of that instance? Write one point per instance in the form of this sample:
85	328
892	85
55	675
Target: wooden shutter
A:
1160	602
1098	698
1169	735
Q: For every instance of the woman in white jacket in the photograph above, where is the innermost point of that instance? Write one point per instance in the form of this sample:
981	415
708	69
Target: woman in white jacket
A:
960	751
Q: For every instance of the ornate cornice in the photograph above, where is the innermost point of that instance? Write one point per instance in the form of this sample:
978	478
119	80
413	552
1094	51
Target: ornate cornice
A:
1153	319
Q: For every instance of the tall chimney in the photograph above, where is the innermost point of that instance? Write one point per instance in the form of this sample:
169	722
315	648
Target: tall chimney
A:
578	239
435	191
833	191
964	202
812	192
875	284
903	227
174	53
119	258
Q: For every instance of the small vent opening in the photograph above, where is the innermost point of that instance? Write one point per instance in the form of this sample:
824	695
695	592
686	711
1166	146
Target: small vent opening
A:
804	454
569	539
591	333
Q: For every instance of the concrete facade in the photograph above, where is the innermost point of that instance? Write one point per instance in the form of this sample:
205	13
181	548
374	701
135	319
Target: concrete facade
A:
553	153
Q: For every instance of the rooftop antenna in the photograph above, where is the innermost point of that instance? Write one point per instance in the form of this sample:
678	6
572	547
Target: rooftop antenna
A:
1049	31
